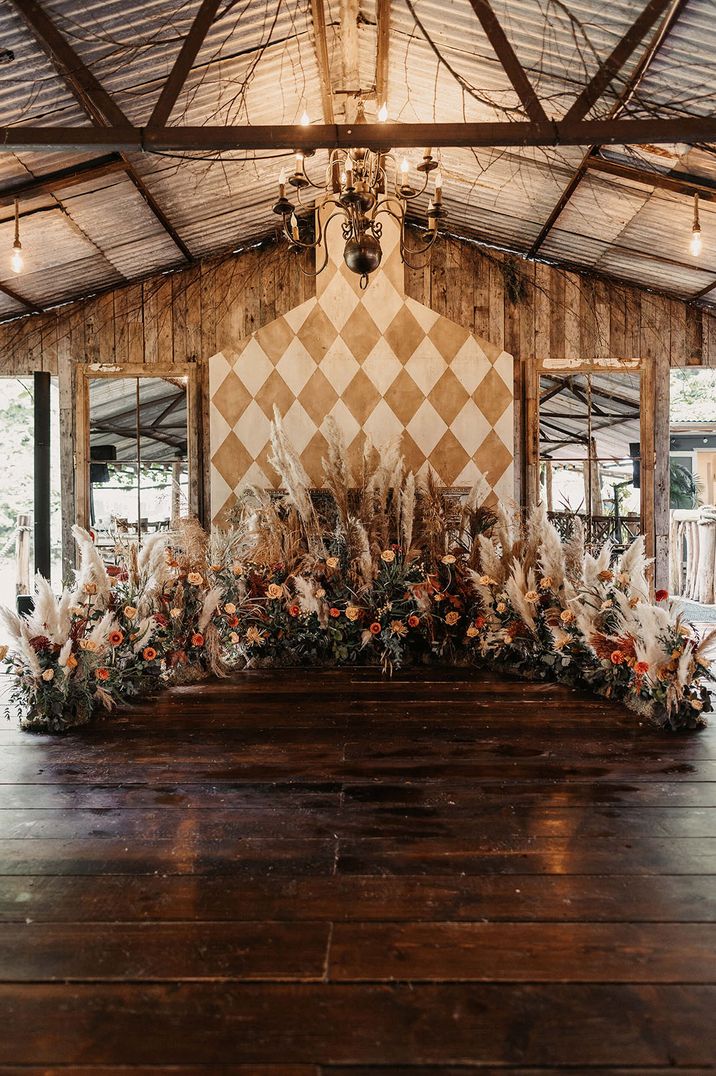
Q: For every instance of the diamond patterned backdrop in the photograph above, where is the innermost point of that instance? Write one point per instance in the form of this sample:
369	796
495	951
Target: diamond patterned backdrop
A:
382	365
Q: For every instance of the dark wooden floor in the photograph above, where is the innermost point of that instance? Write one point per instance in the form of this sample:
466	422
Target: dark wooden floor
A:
304	874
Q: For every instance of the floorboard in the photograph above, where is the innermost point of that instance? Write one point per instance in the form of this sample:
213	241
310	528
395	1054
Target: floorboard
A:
328	874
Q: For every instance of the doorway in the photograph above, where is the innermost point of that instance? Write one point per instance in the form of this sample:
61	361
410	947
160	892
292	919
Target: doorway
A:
17	437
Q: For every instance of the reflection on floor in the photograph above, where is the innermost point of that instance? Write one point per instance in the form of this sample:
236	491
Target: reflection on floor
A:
697	613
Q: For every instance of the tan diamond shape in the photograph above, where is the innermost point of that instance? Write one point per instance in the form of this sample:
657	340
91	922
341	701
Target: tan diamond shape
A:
493	458
394	269
448	397
360	397
317	333
221	519
360	333
448	337
448	457
492	396
404	334
275	337
313	455
231	398
318	397
274	391
231	460
404	397
413	455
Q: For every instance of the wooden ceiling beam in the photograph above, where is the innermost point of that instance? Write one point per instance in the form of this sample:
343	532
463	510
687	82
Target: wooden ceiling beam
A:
613	64
667	24
680	184
35	186
91	96
184	62
508	58
381	136
29	306
382	51
320	38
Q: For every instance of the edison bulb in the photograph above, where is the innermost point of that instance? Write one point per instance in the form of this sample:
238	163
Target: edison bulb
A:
404	166
17	261
383	113
695	245
305	119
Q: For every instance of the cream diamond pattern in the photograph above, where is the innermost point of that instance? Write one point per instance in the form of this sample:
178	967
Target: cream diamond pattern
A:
375	382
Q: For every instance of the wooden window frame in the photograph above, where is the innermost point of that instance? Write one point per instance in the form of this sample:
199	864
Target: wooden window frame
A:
85	374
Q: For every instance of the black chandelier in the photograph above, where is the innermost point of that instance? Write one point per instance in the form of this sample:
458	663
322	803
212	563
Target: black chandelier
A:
358	191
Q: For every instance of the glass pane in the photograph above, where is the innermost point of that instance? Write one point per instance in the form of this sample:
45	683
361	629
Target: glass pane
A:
164	495
113	419
162	419
615	401
564	416
114	505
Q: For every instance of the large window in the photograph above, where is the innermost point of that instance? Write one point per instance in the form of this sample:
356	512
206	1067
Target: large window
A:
589	441
138	456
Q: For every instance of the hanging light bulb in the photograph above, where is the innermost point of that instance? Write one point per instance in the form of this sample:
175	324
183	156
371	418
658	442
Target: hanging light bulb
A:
695	244
17	261
383	113
305	120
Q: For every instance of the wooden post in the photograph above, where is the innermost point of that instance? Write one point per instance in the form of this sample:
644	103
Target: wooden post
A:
22	555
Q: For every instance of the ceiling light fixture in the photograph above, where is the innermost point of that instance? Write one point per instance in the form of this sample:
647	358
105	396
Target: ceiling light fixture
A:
360	195
695	244
17	261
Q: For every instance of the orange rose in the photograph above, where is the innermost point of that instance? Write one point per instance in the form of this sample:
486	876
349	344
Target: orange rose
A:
334	612
197	639
72	662
115	638
413	620
102	673
641	667
149	653
294	610
375	628
233	621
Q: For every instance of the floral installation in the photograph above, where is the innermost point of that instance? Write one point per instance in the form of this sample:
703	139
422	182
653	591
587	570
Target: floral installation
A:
381	570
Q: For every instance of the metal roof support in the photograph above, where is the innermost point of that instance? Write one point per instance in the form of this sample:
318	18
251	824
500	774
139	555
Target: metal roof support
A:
508	58
667	25
183	63
89	94
62	178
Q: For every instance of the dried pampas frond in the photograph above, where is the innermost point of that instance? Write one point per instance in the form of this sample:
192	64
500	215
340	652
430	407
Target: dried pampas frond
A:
407	513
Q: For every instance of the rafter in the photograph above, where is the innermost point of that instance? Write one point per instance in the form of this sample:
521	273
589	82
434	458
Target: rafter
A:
508	58
616	60
183	63
678	183
318	14
382	54
90	95
381	136
657	41
29	306
50	182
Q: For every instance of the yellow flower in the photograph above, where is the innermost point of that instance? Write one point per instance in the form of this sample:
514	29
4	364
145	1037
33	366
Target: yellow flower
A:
274	590
238	569
72	662
3	652
438	597
175	613
130	612
566	616
88	644
696	704
233	637
501	607
253	635
472	632
48	674
215	567
452	618
546	583
76	610
448	559
195	579
320	593
485	581
331	562
606	576
388	555
532	596
89	588
352	612
397	627
229	608
561	641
